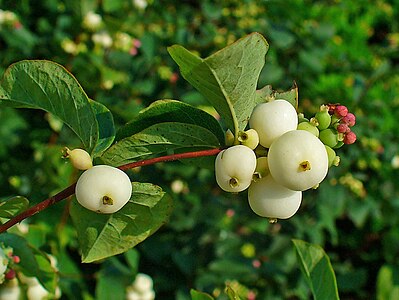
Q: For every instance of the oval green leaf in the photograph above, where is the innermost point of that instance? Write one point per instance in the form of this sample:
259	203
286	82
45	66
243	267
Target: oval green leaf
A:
171	111
104	235
106	128
49	86
158	139
227	78
316	266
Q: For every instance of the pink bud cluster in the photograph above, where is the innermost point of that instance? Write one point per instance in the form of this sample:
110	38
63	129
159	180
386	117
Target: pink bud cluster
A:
344	121
14	259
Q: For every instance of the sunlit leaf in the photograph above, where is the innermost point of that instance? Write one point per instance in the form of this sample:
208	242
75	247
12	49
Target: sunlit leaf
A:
227	78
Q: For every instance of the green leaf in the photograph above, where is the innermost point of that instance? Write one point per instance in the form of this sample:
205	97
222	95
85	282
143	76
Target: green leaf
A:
388	283
106	129
33	262
47	85
196	295
267	94
228	78
171	111
159	138
104	235
316	266
11	207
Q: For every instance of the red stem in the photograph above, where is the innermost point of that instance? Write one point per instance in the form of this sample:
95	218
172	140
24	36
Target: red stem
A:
70	190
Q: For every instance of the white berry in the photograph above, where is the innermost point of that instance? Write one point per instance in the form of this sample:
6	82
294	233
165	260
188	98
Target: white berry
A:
298	160
272	119
10	290
234	168
142	283
272	200
103	189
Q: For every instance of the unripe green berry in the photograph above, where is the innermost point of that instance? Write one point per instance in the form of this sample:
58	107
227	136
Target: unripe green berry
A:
310	127
79	158
229	138
234	168
323	118
103	189
249	138
331	155
262	168
269	199
329	137
298	160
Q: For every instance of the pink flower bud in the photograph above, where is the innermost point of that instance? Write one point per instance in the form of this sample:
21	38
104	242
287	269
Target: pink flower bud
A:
349	138
343	128
349	119
341	111
16	259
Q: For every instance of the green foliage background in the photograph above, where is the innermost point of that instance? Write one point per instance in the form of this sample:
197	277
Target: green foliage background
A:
336	51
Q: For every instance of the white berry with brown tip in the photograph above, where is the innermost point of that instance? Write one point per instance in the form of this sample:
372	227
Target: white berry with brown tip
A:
103	189
298	160
234	168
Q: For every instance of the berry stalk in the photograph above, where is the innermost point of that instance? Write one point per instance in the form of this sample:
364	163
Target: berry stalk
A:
70	190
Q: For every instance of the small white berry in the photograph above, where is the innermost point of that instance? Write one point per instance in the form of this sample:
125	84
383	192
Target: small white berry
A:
103	189
249	138
234	168
272	200
79	158
272	119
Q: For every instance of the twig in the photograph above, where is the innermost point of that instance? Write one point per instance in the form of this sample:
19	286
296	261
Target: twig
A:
69	191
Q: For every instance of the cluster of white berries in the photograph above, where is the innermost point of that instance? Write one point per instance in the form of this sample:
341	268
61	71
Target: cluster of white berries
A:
276	160
141	288
102	188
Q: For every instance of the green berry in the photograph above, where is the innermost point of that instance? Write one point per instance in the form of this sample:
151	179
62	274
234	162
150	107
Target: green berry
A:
331	155
308	127
329	137
324	119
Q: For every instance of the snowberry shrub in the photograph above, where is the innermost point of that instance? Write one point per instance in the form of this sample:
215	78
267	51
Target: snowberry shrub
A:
234	168
103	189
272	119
298	160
